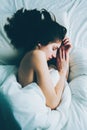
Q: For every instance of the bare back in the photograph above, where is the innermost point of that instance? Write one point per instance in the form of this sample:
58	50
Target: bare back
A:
26	71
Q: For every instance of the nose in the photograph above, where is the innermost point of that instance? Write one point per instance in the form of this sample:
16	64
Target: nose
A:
54	54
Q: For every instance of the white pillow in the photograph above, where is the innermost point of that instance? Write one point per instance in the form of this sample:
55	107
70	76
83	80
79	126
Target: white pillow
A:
78	88
8	54
78	62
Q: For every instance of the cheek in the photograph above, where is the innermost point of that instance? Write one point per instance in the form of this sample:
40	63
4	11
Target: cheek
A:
49	53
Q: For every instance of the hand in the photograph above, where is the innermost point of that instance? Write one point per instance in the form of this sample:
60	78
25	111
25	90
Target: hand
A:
67	44
62	60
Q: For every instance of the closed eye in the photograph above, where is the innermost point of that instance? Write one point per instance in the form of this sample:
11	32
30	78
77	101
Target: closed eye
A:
55	48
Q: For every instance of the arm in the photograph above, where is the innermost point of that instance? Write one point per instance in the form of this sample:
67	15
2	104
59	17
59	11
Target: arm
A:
67	47
53	95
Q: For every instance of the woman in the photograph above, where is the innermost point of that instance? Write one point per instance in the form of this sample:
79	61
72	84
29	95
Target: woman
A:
42	39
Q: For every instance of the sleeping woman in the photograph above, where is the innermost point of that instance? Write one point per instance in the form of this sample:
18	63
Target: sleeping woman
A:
42	39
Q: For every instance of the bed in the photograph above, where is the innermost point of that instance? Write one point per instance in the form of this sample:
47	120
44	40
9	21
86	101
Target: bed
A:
25	109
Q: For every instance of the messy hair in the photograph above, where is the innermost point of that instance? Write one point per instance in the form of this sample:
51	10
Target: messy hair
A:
27	28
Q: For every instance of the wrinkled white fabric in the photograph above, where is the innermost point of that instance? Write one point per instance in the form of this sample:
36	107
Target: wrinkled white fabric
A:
78	62
69	13
29	105
72	112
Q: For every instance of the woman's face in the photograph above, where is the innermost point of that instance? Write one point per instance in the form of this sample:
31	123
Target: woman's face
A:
51	49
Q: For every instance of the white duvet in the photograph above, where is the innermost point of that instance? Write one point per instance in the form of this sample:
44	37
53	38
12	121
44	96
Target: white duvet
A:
28	104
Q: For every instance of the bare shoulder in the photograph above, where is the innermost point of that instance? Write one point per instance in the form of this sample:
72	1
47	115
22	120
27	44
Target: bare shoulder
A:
34	54
38	55
38	60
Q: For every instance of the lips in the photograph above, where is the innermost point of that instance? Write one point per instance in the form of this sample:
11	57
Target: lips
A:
50	58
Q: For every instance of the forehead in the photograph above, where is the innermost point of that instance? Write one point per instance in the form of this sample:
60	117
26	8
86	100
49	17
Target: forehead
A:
55	43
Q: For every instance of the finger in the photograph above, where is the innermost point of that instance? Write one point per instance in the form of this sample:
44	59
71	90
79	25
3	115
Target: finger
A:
64	56
66	38
67	47
60	52
66	42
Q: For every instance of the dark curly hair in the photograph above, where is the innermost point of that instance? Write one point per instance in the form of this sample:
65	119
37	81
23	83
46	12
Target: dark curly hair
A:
27	28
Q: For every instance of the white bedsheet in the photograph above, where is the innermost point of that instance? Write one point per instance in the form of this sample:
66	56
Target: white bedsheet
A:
70	13
29	109
72	112
28	104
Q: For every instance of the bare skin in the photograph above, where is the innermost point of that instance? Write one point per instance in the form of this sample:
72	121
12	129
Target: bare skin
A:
34	68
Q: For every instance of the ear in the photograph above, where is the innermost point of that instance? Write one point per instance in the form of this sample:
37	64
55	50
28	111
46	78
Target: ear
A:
39	45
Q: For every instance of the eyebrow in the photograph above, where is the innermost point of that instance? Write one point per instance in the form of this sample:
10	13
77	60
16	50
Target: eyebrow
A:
55	47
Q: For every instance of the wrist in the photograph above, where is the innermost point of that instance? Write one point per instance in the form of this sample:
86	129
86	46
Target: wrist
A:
62	73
